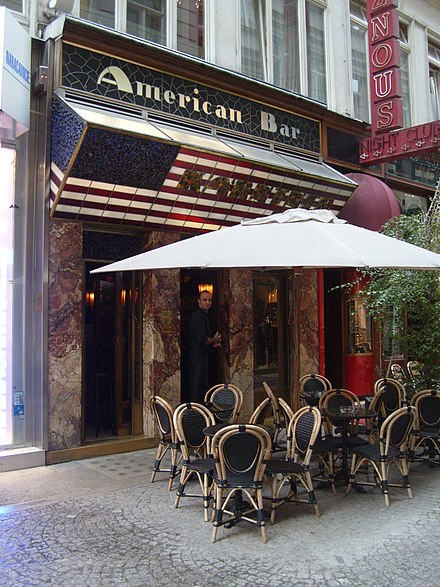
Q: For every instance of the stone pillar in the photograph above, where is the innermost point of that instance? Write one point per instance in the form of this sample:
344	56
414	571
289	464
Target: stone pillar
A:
64	335
303	327
161	332
236	323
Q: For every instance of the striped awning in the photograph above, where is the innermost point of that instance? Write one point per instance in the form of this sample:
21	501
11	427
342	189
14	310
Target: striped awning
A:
119	170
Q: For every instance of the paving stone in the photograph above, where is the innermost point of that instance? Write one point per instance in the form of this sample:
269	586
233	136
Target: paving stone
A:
101	523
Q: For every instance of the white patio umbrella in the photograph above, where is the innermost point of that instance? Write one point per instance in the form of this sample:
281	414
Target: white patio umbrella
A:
295	238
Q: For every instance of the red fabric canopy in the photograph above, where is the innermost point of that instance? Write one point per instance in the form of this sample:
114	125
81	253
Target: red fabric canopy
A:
372	203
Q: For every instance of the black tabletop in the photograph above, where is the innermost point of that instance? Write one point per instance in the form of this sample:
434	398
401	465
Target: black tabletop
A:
345	413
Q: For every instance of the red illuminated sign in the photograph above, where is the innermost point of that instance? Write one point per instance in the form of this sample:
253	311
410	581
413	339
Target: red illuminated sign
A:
385	77
400	143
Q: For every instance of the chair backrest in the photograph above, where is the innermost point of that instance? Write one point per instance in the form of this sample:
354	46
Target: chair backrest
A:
415	369
398	372
393	396
427	405
189	421
261	412
303	430
277	415
333	399
286	411
227	400
396	429
311	388
163	415
241	452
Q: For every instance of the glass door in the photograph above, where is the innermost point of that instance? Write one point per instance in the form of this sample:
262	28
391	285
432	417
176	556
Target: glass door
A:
269	333
112	367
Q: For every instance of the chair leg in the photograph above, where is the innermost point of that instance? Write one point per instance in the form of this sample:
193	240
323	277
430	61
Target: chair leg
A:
160	453
182	483
405	475
218	513
173	468
384	483
260	514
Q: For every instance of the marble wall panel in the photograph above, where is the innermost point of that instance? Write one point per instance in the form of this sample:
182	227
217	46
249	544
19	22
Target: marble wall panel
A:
308	323
161	332
64	335
236	316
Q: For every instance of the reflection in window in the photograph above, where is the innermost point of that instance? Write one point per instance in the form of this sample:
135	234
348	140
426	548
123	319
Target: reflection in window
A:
147	19
266	291
99	11
190	27
359	68
253	54
359	328
434	80
285	41
315	52
16	5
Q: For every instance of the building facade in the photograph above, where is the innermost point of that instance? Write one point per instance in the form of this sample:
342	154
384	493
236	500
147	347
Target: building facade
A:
154	121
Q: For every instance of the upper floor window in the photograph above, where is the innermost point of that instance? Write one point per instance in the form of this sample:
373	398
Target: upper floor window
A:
283	42
404	68
178	24
17	5
434	79
359	63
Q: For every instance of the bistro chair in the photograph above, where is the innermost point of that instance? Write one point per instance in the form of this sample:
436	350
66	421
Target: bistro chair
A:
279	421
261	412
390	450
392	398
398	373
311	388
425	442
240	452
283	475
189	421
333	400
224	400
168	441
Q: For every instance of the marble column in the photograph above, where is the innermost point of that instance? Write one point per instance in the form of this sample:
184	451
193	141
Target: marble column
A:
161	332
236	320
64	335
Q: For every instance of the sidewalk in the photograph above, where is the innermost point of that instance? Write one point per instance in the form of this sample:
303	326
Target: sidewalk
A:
101	523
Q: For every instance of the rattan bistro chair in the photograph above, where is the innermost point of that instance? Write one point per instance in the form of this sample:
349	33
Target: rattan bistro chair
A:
334	399
311	388
425	442
168	441
390	450
261	412
283	475
189	421
240	452
225	401
280	423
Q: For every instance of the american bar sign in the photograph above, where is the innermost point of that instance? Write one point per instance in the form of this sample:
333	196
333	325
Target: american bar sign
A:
118	80
389	141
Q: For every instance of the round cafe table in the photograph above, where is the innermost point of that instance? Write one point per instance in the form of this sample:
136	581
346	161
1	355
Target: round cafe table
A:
343	416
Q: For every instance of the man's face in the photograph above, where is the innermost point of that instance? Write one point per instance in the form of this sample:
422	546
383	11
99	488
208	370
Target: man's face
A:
205	301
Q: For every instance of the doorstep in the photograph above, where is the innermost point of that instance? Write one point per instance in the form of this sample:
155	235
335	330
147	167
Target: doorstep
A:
22	458
99	449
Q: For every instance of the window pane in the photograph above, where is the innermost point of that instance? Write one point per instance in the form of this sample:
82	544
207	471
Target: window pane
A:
147	19
100	11
286	72
315	52
434	90
191	27
405	89
252	39
16	5
359	72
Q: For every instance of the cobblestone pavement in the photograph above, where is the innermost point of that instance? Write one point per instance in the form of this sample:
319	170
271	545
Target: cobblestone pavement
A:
101	523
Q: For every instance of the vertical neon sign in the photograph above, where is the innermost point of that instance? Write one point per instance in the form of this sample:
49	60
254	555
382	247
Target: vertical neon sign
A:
7	186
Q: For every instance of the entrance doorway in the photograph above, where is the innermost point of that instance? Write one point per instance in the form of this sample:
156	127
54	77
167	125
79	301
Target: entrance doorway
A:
270	348
112	396
190	283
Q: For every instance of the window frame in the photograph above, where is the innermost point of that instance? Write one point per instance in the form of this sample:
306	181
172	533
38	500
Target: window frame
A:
356	20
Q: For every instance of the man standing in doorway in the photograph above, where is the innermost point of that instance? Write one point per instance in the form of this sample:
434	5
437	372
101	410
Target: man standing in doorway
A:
201	341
